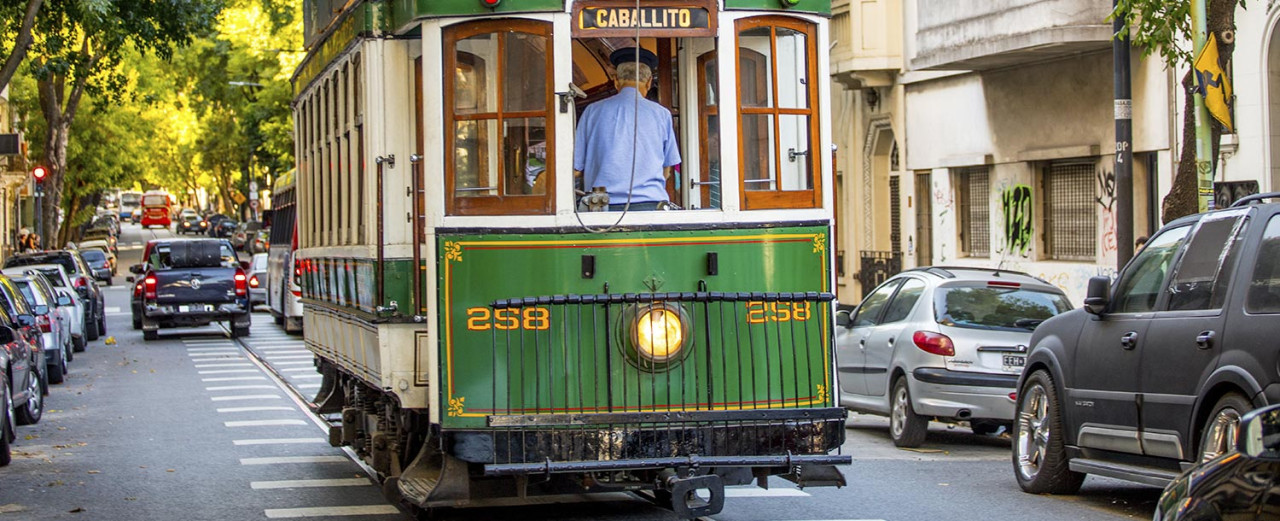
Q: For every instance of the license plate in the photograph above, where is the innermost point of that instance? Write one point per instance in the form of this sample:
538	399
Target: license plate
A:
1013	362
184	309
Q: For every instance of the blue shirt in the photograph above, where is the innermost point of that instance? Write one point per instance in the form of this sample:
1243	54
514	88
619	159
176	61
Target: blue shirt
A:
602	147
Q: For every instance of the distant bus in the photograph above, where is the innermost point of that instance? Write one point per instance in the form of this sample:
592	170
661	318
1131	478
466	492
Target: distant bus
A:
156	209
129	201
283	293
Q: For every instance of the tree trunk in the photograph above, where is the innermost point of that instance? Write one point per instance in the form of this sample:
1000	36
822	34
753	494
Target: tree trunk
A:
20	44
1183	198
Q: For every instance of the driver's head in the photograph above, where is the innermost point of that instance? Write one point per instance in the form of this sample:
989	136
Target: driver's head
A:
632	74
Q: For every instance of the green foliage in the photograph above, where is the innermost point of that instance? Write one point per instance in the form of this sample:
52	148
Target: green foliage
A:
1162	26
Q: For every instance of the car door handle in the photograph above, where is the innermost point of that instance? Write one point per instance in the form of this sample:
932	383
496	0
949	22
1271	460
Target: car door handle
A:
1204	340
1129	340
862	343
890	342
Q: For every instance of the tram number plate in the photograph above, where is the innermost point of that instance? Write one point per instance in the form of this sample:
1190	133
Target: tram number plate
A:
1014	362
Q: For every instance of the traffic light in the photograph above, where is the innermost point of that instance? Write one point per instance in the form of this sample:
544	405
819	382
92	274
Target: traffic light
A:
39	173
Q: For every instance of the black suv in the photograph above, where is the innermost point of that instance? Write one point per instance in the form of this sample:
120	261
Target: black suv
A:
1154	373
95	317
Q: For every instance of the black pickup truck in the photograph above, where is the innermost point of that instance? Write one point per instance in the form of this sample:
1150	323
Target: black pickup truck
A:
191	283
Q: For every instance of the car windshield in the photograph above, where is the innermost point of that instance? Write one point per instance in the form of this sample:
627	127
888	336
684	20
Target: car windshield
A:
997	308
93	256
155	200
259	262
65	260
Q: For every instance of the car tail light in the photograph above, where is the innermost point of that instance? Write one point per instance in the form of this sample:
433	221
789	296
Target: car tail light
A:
253	281
1003	284
149	287
936	343
137	289
1013	396
45	324
297	272
81	282
242	287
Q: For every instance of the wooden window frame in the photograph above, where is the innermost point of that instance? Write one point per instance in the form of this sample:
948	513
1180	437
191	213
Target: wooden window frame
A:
706	111
779	198
499	204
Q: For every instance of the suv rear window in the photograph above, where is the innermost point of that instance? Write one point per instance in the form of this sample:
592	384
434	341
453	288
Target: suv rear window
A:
996	308
26	260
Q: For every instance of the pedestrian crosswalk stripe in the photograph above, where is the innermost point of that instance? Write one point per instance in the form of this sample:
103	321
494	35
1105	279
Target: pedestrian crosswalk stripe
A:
299	362
245	397
308	386
227	371
298	370
263	423
228	364
218	341
238	387
254	409
194	350
293	459
368	510
279	441
289	357
307	483
299	376
234	379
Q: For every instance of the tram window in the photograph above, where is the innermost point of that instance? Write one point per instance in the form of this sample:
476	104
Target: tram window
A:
500	118
709	129
776	116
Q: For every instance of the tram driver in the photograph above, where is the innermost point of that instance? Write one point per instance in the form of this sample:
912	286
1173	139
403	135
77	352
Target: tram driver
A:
627	131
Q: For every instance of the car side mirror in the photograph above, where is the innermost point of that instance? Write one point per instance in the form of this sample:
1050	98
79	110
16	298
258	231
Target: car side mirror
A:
64	300
844	318
26	320
7	335
136	269
244	265
40	309
1098	295
128	279
1260	434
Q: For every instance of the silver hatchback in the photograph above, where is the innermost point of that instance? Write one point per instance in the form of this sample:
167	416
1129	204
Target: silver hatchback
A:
945	343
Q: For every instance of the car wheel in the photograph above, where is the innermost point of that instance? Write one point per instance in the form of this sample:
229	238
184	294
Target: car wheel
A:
151	335
137	322
58	372
69	349
1218	436
102	324
90	329
7	426
1039	458
77	343
907	428
31	412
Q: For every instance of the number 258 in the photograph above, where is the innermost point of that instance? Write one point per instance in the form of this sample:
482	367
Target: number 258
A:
531	318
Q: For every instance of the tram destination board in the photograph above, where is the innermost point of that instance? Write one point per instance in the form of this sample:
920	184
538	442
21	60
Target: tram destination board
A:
667	19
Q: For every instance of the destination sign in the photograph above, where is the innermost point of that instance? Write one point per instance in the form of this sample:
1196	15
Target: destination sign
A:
667	20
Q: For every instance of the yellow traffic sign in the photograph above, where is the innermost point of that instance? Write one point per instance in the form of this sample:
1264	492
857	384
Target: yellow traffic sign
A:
237	197
1212	83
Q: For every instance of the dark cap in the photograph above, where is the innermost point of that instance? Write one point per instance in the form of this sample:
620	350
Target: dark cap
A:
628	54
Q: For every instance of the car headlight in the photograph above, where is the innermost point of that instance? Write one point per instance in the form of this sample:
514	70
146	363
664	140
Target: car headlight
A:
657	334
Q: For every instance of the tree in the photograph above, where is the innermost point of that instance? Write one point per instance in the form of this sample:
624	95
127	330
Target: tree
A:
1164	26
19	27
78	49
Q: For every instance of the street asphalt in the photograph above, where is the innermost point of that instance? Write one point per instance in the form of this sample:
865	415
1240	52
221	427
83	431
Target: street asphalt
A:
196	426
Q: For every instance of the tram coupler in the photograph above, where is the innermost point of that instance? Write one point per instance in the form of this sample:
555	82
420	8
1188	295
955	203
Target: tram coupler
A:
687	495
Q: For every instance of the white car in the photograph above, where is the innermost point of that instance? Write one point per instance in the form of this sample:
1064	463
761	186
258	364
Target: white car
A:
57	277
53	313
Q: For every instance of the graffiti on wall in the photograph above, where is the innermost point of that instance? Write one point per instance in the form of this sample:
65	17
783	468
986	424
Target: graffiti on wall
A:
1015	203
1107	200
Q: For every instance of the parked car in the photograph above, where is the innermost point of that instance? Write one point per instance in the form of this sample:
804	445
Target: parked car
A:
60	283
101	235
1236	485
52	316
81	279
1153	374
99	245
243	233
135	216
212	221
191	282
261	243
945	343
258	279
99	263
223	229
22	376
191	223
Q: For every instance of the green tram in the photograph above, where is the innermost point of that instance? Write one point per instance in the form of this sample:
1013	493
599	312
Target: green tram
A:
480	337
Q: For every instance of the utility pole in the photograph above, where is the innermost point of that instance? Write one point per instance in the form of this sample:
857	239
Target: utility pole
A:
1204	147
1124	139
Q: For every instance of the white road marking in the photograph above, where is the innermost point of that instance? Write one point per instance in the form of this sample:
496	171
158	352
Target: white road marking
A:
254	409
307	483
217	341
229	364
112	309
753	491
298	370
300	376
238	387
227	371
277	460
288	357
263	423
308	386
212	349
234	379
367	510
281	441
300	362
274	349
273	343
245	397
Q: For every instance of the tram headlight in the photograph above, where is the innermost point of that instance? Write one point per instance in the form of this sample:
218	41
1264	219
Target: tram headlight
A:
657	334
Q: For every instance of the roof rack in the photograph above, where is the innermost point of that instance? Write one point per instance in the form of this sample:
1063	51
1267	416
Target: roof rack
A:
945	271
1251	199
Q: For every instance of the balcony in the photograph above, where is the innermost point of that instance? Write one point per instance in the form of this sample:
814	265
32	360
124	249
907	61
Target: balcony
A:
992	34
867	37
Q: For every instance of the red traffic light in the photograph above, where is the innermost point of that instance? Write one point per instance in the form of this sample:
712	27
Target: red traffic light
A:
490	3
39	173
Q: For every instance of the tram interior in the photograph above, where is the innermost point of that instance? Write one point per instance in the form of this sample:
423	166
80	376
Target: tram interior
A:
686	83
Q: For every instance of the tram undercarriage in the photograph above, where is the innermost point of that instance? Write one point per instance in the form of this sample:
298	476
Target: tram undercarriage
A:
424	467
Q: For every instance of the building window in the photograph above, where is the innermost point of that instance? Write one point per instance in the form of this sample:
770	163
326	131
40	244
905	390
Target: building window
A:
1071	215
974	200
498	99
778	126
